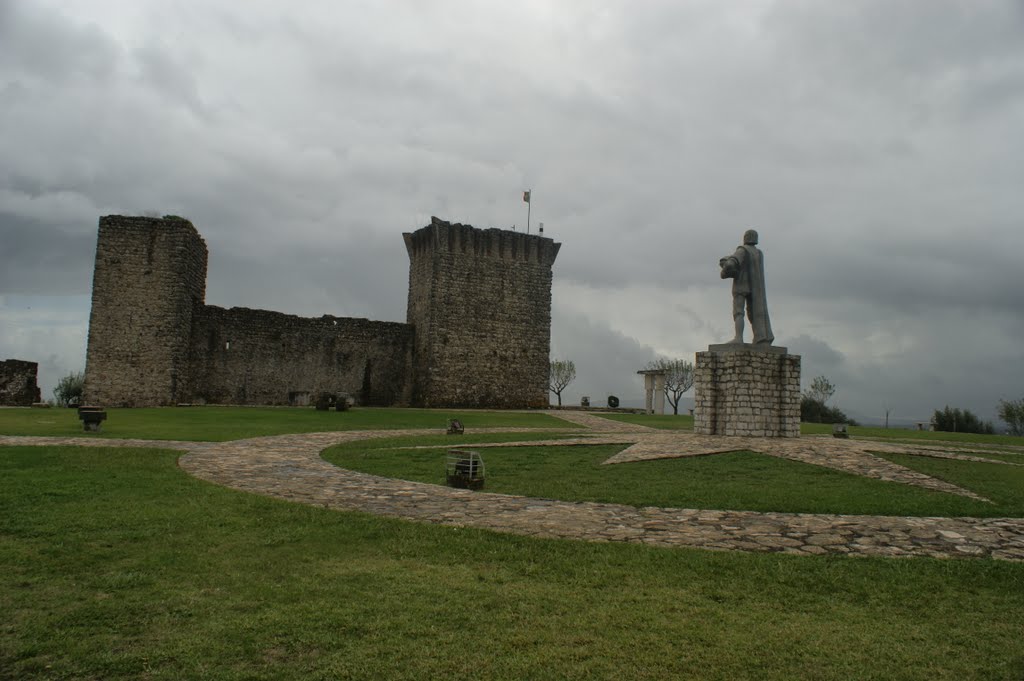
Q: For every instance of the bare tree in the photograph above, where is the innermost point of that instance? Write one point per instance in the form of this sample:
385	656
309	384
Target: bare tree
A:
561	374
678	378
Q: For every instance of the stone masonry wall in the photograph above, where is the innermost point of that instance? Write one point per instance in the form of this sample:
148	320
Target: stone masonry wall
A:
148	286
478	331
244	356
481	304
747	393
18	383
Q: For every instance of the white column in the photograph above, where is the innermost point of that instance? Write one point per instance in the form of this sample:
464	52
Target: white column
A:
659	394
648	393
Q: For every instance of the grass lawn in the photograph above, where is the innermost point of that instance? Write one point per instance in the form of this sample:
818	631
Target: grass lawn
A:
662	421
217	424
114	564
738	480
918	436
685	422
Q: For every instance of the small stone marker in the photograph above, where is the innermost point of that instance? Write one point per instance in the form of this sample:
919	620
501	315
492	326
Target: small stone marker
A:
839	430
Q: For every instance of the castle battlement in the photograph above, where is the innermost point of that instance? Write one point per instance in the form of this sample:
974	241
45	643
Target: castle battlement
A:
477	332
503	244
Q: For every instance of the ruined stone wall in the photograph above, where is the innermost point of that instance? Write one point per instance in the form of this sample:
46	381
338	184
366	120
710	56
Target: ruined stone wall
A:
478	331
747	392
148	285
481	304
243	356
18	383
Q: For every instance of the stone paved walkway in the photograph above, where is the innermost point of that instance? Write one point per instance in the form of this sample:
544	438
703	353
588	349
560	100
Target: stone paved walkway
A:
289	467
598	423
850	456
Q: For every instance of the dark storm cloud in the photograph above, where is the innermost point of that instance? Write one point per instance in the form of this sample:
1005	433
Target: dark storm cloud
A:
606	360
47	259
37	43
353	277
875	145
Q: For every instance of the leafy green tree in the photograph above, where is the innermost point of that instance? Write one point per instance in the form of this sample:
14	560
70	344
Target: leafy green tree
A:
951	420
812	411
68	392
678	378
1012	413
821	390
560	375
813	408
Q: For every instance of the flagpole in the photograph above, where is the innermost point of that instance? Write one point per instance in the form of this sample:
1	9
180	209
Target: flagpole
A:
529	205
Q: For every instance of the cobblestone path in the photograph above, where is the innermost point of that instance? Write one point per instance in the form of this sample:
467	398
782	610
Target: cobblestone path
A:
849	456
289	467
599	424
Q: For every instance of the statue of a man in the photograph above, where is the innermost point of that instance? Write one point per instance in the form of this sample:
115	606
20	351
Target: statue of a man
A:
746	268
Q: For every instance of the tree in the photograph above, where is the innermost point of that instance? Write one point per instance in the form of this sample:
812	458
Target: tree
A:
821	390
69	390
1012	413
678	378
561	374
813	408
961	421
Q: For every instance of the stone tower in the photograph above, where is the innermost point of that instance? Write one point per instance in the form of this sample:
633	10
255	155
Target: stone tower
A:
148	288
480	302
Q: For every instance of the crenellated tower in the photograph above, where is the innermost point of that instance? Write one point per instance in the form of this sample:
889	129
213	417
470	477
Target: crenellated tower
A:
480	302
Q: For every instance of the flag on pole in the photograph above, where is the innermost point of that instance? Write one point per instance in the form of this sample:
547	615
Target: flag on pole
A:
526	196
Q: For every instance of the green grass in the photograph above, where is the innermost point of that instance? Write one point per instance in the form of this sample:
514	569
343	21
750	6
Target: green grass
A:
217	424
1004	485
915	435
661	421
685	422
114	564
738	480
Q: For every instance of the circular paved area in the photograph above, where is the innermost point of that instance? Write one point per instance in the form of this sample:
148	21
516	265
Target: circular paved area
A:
290	467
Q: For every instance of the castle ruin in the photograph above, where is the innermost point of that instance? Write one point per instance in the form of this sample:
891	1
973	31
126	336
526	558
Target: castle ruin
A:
18	383
477	331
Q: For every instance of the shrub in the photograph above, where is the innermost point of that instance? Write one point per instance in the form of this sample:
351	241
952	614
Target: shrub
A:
961	421
814	411
1012	412
68	392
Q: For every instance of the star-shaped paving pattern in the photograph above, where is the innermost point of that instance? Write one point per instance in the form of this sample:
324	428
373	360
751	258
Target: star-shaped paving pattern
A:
847	455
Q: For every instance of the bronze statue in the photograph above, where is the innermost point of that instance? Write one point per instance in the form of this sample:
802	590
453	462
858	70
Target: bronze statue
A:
746	268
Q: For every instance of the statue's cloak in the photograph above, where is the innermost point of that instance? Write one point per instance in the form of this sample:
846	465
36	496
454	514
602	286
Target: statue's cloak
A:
749	282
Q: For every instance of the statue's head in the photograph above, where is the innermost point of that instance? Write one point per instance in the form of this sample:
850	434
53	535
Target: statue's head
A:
750	237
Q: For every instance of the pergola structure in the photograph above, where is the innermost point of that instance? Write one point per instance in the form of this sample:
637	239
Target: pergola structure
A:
654	390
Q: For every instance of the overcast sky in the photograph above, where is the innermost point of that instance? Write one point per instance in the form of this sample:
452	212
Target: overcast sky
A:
876	146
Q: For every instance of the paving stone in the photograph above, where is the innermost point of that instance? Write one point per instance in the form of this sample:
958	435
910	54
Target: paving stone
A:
290	467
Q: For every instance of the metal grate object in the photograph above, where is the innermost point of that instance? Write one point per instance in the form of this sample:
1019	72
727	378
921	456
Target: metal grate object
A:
464	469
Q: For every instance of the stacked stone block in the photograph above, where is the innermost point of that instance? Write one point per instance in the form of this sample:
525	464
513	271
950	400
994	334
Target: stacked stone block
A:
481	304
19	383
244	356
148	287
478	331
743	391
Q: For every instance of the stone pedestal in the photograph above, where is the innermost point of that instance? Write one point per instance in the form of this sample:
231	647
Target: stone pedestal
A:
747	390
